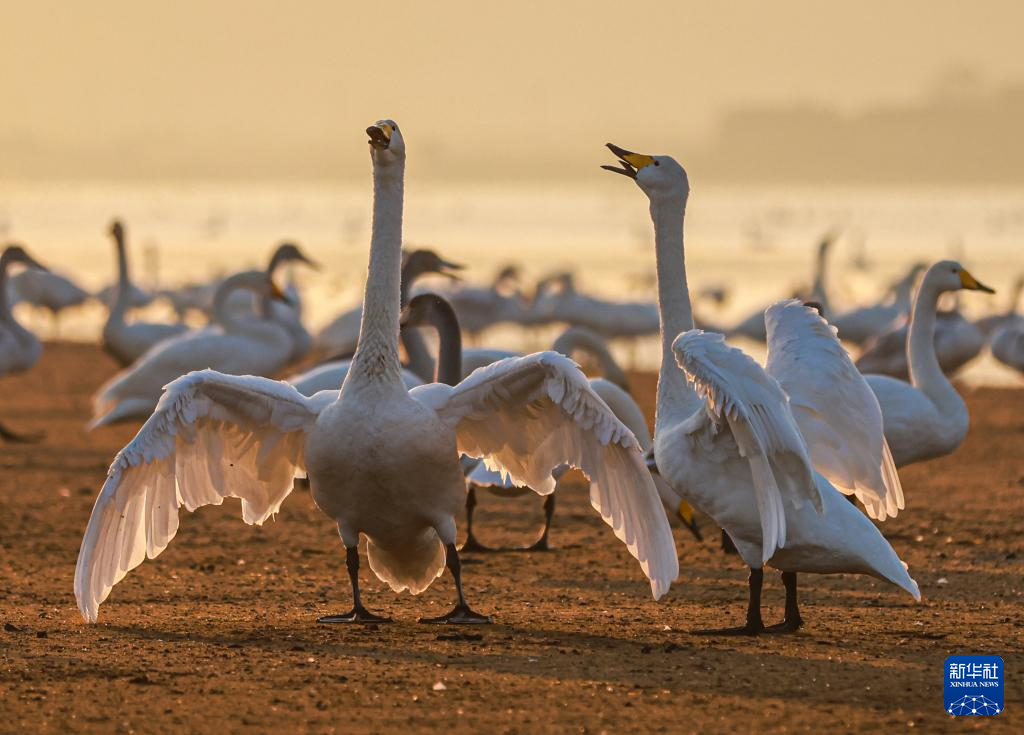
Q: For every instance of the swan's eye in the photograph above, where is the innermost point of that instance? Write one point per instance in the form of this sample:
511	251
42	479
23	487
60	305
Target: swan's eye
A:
656	163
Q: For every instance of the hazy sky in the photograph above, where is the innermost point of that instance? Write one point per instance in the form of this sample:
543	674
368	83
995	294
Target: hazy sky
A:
247	87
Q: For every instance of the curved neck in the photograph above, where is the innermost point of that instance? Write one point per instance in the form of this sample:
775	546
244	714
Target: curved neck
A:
675	396
376	357
420	360
925	372
449	355
5	312
1018	287
222	313
818	291
578	338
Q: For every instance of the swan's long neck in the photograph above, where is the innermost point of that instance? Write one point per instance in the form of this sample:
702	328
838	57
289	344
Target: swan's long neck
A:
123	299
818	291
223	314
421	362
449	355
376	357
579	338
925	372
5	311
675	396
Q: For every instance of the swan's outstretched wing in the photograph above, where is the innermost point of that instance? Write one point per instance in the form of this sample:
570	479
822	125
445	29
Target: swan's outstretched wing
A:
212	436
528	415
834	407
742	395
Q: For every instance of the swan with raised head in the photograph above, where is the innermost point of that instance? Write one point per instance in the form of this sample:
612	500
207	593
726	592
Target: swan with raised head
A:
19	348
926	417
128	342
240	346
726	439
215	436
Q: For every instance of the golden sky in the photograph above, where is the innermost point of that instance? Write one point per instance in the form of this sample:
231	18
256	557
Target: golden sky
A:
255	87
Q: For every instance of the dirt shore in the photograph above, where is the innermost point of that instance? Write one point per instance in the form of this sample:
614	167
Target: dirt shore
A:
218	634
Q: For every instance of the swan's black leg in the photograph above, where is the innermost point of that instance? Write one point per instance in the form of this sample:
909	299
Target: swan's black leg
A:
472	545
461	613
549	512
727	545
793	621
754	625
358	613
14	437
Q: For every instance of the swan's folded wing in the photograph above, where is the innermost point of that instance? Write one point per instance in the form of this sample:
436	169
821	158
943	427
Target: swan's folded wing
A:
742	395
835	408
528	415
212	436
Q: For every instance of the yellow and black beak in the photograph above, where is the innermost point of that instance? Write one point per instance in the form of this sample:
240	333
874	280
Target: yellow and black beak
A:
629	163
971	283
685	514
380	135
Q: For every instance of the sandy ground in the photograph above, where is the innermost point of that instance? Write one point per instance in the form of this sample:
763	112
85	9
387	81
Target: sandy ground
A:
219	633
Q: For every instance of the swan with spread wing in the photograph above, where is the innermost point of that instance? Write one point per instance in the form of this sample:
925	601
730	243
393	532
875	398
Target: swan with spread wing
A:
727	439
215	436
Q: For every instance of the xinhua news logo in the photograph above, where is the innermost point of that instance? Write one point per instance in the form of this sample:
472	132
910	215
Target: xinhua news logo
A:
974	685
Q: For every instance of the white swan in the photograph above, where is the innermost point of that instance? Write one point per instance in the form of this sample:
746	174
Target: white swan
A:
926	417
340	336
128	342
863	323
19	348
993	323
559	301
726	439
240	346
46	290
481	307
215	436
1008	346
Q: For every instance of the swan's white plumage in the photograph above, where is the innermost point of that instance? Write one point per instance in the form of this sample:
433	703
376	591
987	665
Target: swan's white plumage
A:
838	414
211	437
740	394
528	415
330	376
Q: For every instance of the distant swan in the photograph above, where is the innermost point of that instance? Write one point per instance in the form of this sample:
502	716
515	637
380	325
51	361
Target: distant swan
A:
19	348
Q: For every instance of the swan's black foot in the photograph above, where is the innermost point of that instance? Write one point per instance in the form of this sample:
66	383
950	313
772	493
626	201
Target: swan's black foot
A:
540	544
475	547
459	615
748	629
786	626
356	615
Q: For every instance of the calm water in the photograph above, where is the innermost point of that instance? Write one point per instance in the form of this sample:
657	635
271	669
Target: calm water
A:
757	243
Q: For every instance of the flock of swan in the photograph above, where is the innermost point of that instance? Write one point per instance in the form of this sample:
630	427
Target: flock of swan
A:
796	460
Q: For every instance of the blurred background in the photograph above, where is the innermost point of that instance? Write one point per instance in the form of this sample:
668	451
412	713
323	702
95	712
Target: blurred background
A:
218	129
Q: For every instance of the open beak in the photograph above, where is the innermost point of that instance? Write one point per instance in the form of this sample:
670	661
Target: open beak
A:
973	284
380	135
629	163
447	268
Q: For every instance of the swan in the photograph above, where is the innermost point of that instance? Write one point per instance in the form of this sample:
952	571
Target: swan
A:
480	307
241	346
1008	346
19	348
726	439
137	297
926	417
863	323
957	342
46	290
610	319
215	436
128	342
989	325
340	336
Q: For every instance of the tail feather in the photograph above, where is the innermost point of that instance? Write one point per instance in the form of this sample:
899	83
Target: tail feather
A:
412	566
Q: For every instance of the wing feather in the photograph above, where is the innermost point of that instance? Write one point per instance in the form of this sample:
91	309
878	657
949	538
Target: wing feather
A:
526	416
835	408
212	436
740	394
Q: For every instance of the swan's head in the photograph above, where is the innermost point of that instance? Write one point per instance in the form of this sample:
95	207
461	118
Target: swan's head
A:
428	310
18	254
660	177
386	143
948	275
420	262
288	252
116	229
